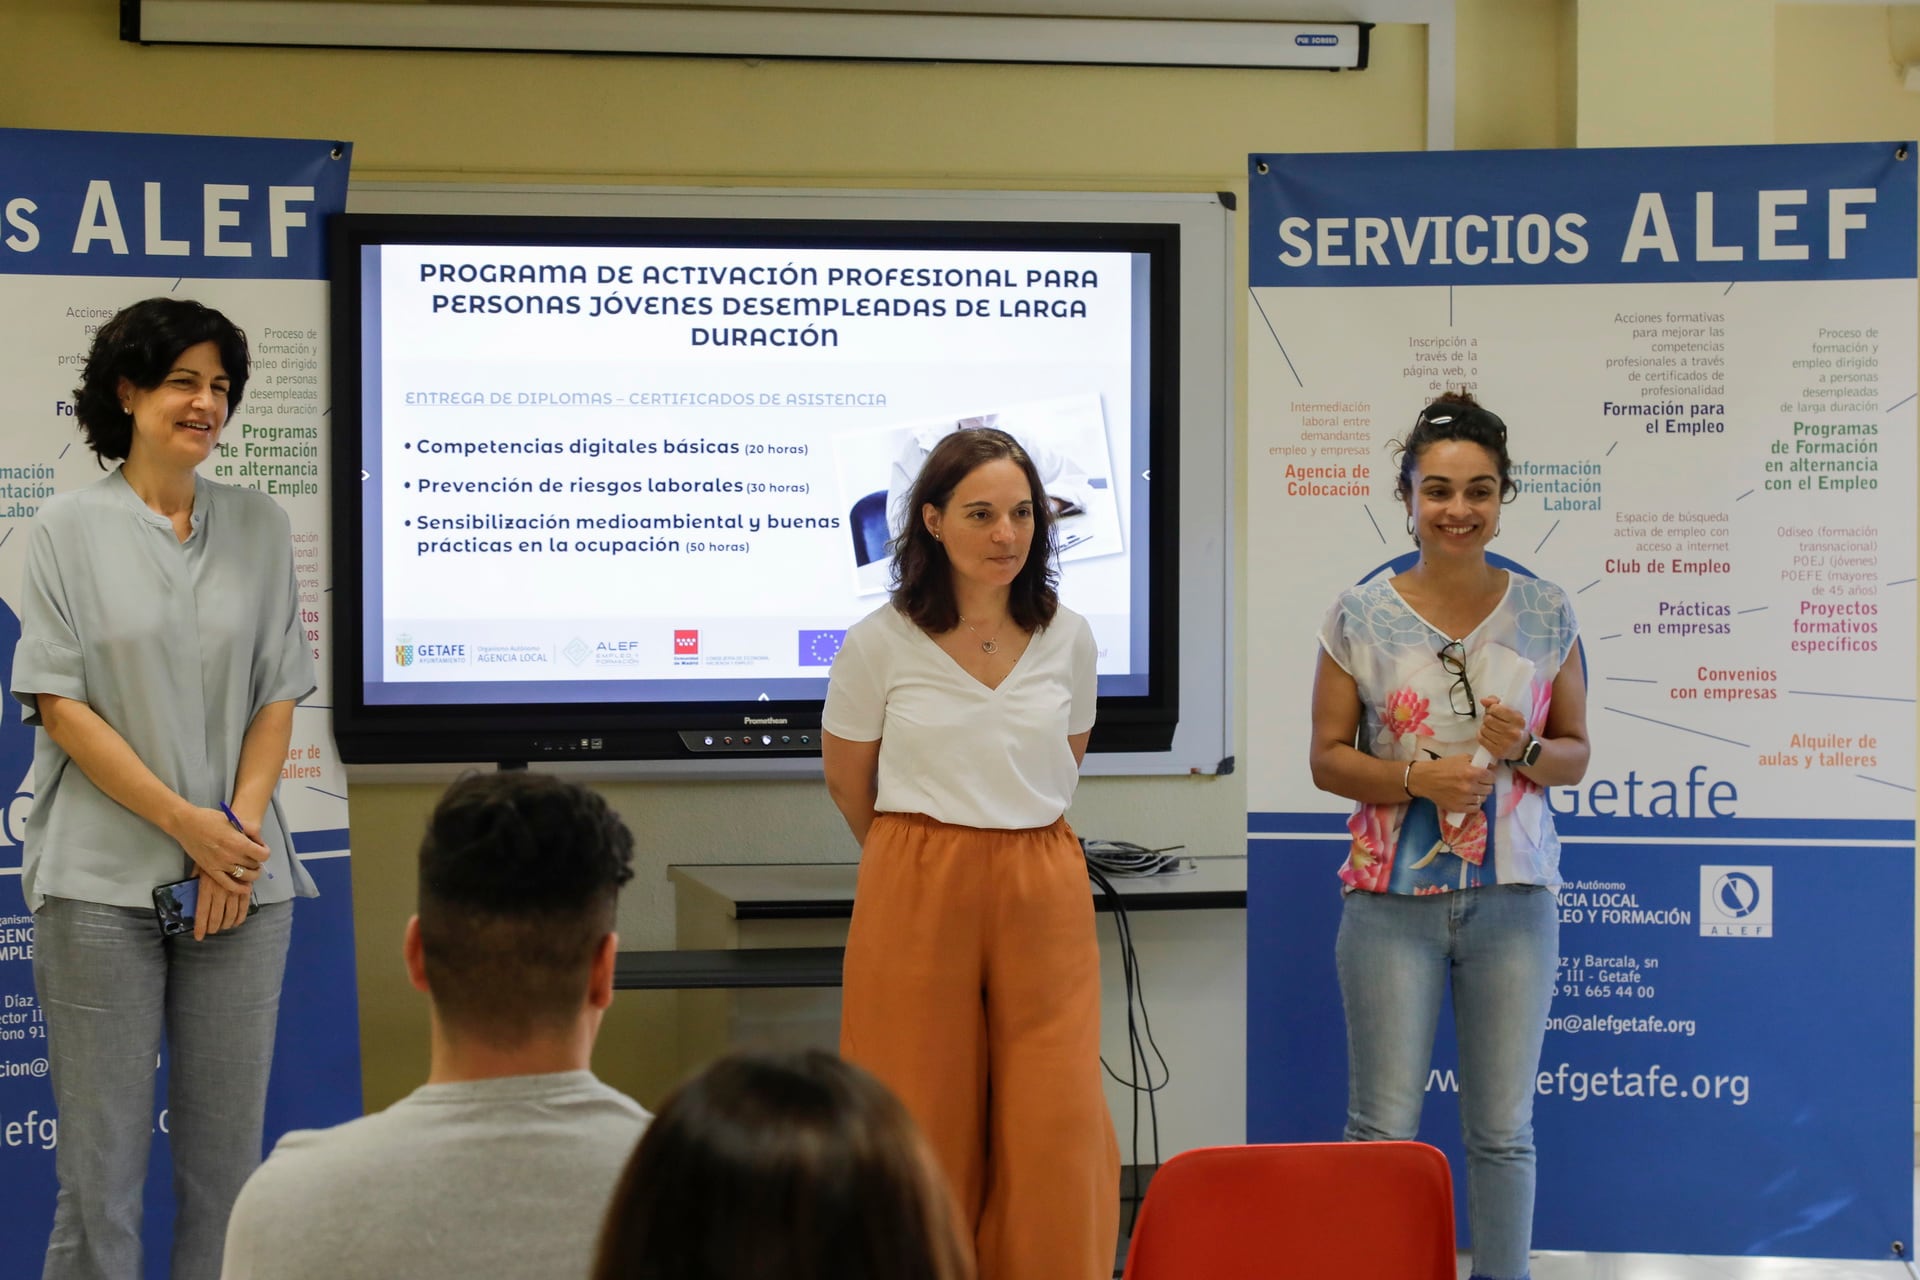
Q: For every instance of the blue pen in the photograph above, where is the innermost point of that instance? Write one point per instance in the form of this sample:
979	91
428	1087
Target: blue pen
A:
232	818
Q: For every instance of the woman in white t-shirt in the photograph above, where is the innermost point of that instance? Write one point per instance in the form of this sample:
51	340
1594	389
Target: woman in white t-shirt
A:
955	724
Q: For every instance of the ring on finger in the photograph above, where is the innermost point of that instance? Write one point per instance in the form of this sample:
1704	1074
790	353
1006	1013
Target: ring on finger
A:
238	873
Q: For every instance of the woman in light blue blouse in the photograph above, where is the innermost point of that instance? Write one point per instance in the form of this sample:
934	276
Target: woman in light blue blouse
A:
1448	698
160	659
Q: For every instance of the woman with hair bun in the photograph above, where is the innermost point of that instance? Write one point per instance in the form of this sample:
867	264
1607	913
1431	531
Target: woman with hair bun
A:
1447	699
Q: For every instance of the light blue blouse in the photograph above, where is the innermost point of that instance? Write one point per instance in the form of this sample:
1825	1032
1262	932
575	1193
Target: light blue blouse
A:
177	645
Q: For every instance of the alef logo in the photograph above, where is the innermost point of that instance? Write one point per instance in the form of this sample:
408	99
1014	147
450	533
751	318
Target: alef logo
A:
686	647
1736	902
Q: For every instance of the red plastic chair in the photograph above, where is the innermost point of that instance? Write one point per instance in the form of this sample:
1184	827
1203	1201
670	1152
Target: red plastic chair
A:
1353	1210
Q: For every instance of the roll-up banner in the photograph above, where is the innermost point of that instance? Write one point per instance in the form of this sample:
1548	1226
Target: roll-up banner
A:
1706	360
90	222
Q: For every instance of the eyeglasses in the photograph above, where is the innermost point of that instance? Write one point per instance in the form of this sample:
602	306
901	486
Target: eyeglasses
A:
1453	656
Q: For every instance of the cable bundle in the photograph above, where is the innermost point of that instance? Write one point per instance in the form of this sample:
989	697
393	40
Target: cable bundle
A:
1122	858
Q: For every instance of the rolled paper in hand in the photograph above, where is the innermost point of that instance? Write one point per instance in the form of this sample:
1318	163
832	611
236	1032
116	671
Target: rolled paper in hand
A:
1510	677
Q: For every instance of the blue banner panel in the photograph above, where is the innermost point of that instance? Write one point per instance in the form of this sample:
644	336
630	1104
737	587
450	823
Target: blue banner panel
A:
90	222
318	1047
1658	214
1709	390
167	206
1693	1095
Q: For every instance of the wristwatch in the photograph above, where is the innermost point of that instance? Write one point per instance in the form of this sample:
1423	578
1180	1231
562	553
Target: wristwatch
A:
1530	756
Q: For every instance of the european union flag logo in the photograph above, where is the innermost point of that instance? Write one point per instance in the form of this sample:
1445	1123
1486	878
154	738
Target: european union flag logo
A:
817	648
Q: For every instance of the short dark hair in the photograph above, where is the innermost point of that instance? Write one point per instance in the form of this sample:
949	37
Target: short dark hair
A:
140	344
520	874
796	1165
922	575
1456	415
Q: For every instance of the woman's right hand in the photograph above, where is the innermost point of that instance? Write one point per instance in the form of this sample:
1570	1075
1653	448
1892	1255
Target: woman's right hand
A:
218	911
220	850
1453	783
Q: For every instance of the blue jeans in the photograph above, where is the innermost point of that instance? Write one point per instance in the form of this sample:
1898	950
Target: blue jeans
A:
1499	947
110	984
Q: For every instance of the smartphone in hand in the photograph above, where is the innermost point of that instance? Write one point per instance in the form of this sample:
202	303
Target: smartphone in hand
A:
174	905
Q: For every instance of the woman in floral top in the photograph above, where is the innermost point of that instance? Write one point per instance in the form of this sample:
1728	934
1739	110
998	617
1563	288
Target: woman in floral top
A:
1447	699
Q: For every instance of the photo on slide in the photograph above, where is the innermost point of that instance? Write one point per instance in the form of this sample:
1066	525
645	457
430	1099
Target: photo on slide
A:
1066	438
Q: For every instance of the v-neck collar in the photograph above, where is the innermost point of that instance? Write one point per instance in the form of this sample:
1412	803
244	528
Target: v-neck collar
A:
1441	632
971	678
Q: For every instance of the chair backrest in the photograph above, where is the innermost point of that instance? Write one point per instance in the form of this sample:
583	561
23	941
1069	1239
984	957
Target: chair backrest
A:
1356	1210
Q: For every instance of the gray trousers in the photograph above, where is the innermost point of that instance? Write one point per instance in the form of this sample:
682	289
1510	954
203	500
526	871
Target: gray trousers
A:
110	984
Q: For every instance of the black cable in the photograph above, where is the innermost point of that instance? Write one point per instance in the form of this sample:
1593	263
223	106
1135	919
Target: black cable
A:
1146	1026
1126	976
1139	1032
1123	931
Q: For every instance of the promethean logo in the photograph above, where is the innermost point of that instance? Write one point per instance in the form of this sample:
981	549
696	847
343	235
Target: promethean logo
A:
766	719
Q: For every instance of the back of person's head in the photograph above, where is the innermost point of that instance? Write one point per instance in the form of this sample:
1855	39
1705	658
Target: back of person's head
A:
520	874
791	1165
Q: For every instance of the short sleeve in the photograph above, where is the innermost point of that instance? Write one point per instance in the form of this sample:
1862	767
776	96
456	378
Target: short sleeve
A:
856	690
1568	630
1086	680
1335	634
48	658
289	669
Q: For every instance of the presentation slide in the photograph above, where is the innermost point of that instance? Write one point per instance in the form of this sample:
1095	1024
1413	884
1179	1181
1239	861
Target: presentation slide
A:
599	472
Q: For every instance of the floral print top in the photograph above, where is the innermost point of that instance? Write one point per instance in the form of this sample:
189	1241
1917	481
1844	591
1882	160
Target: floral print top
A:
1393	655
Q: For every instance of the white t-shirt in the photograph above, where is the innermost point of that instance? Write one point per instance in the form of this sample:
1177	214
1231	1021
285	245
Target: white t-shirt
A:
952	748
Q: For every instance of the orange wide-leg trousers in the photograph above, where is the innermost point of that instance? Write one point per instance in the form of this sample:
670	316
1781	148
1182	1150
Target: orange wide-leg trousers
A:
972	989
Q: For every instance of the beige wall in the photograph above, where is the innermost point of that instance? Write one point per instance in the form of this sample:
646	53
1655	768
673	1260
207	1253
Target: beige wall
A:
1838	73
1530	73
1655	73
1509	75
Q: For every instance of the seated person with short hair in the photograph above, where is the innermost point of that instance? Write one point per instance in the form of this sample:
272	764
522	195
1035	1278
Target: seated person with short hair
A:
502	1164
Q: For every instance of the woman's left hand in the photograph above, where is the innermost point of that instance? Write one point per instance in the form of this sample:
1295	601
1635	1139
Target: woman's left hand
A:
217	910
1503	730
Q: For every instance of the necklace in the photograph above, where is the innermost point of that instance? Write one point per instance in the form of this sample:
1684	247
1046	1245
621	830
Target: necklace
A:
989	645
